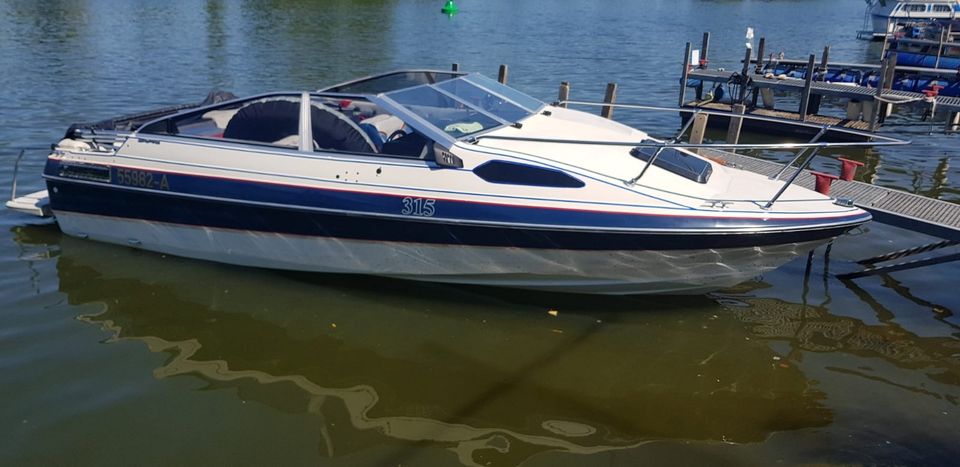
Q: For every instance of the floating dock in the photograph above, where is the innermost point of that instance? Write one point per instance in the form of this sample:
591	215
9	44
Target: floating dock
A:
869	100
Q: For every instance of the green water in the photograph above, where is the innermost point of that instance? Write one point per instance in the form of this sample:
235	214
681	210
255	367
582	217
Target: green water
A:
112	356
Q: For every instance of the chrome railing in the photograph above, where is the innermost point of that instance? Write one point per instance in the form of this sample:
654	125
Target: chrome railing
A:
809	149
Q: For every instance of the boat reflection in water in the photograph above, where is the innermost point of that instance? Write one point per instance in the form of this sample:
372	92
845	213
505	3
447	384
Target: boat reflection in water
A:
488	374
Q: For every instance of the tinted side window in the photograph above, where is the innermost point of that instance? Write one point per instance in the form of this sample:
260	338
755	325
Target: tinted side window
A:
521	174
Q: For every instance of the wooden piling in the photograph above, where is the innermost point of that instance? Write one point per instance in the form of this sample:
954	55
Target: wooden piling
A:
686	73
704	48
698	130
807	84
564	95
891	71
944	37
746	62
824	62
883	108
609	97
875	107
502	76
761	46
455	67
814	107
953	121
886	34
733	131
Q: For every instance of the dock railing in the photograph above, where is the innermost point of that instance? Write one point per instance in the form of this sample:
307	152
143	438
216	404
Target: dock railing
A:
806	151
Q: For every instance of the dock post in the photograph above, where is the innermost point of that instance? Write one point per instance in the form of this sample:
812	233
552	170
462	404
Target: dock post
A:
807	84
953	121
816	99
825	62
686	73
886	35
609	97
455	67
888	76
945	35
760	51
746	62
884	82
891	71
564	95
704	59
733	131
502	76
704	49
874	107
699	129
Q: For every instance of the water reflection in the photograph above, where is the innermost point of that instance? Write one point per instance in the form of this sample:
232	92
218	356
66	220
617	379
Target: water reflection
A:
484	372
813	329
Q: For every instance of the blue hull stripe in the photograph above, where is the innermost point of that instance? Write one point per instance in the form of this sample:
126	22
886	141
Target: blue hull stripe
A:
107	200
452	210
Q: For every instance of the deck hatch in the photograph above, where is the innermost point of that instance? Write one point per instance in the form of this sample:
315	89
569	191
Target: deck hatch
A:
685	165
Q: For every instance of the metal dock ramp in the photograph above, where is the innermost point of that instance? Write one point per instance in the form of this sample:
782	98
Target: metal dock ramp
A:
888	206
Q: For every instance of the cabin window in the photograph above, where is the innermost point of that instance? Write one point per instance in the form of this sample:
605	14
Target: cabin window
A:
512	173
942	8
915	8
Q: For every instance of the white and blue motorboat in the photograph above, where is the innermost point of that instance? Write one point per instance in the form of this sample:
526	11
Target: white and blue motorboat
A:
434	176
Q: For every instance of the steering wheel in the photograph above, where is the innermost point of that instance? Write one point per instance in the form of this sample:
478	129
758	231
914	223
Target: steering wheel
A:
396	135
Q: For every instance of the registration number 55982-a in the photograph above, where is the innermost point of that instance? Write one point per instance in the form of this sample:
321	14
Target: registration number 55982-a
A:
142	179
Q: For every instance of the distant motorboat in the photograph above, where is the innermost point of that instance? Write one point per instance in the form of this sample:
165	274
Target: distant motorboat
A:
884	17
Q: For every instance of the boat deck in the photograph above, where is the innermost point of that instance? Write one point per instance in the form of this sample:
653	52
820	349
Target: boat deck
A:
888	206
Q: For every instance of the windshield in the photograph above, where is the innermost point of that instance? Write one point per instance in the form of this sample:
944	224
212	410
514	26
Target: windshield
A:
444	112
466	105
485	100
532	105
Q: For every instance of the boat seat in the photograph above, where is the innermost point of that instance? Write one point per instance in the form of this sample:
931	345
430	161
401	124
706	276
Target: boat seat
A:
292	141
220	117
385	124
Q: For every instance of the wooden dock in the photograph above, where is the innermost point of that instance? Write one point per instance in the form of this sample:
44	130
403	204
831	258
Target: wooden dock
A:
722	122
888	206
843	91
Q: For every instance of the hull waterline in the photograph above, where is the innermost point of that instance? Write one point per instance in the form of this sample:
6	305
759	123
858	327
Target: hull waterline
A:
577	271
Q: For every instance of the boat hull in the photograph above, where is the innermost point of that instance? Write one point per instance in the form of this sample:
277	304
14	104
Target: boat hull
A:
580	271
602	259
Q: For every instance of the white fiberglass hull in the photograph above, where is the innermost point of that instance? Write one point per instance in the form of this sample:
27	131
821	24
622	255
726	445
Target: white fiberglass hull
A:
599	272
